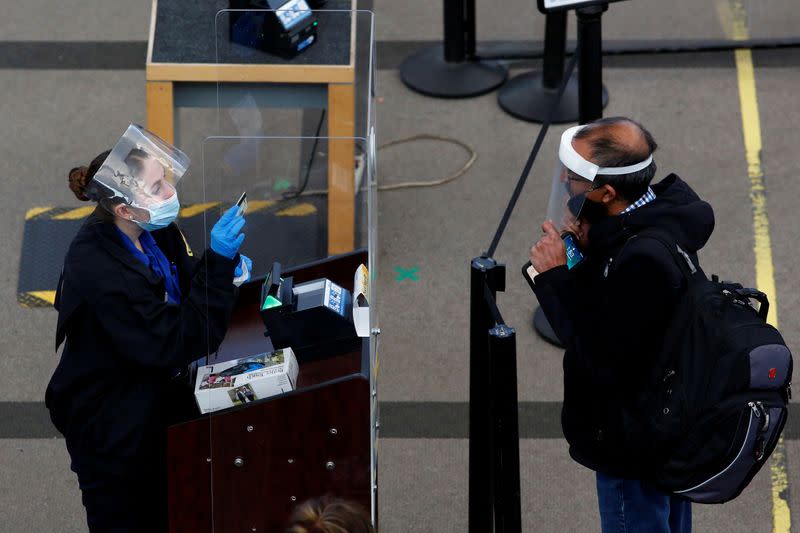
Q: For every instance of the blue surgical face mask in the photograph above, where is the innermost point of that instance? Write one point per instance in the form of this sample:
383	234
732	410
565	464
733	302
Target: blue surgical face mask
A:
161	214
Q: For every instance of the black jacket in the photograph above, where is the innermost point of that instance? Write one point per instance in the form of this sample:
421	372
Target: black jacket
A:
113	392
612	313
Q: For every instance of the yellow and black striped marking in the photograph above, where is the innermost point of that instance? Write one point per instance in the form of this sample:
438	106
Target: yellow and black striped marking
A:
287	231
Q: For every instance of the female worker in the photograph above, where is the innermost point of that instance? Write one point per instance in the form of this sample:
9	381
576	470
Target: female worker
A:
136	308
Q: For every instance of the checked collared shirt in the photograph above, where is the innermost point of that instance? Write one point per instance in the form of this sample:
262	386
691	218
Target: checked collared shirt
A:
646	198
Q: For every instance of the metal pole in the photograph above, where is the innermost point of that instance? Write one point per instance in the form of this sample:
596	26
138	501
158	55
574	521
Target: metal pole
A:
469	27
454	30
590	68
450	70
555	47
480	427
531	96
503	354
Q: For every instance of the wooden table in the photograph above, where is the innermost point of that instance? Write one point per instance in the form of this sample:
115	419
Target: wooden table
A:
180	60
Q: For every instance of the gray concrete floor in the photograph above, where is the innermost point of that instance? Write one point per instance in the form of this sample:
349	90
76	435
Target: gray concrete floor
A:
56	119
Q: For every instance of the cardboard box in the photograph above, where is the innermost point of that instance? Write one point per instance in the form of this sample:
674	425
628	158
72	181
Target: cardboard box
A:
245	380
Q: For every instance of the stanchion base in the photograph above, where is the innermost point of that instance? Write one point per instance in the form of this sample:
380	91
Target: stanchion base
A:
428	73
544	329
524	97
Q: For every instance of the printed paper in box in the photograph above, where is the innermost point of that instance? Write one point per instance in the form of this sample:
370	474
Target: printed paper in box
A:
245	380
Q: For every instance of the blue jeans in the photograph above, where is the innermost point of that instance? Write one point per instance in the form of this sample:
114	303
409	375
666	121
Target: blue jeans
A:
628	506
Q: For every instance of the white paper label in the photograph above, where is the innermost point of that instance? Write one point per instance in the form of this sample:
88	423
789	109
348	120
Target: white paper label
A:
361	301
552	4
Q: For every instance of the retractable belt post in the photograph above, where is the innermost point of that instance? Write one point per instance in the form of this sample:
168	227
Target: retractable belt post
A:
450	69
530	96
494	492
590	67
486	278
494	487
505	433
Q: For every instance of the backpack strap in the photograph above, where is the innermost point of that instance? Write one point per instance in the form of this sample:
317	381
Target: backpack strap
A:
682	259
690	270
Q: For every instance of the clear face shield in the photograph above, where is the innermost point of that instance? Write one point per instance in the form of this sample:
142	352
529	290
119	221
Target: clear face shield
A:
571	182
574	177
142	172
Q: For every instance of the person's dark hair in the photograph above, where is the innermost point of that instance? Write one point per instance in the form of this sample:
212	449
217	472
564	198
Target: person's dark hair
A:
608	150
80	179
82	184
329	515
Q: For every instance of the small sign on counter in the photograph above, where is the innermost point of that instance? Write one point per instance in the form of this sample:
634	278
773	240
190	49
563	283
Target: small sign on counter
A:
361	301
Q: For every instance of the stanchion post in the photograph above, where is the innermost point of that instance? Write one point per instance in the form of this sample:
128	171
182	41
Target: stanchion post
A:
470	23
531	96
450	70
480	414
555	49
590	67
505	461
454	28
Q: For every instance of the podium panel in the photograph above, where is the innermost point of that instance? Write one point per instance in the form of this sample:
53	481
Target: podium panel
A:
274	455
269	457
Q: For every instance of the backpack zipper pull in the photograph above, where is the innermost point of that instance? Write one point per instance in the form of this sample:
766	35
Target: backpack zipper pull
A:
763	410
760	443
758	449
669	375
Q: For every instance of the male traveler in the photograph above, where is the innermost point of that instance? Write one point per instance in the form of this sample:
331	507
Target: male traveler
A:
612	309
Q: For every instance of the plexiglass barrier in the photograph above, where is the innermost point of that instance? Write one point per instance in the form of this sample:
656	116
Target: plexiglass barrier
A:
300	349
295	131
289	411
299	196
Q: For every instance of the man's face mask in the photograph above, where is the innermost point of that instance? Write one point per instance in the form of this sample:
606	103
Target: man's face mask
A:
587	209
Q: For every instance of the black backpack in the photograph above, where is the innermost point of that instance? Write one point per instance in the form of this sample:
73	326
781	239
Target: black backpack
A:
717	398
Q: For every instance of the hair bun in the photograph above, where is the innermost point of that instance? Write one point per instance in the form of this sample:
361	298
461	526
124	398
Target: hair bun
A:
78	179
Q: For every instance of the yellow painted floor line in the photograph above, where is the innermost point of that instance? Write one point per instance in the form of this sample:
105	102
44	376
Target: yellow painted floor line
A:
36	299
733	17
76	214
257	205
35	211
185	212
299	210
48	296
196	209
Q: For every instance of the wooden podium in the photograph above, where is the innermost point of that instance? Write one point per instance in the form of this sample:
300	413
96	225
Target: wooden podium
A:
245	468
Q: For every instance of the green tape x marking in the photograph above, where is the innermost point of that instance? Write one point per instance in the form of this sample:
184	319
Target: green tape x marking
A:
406	273
282	185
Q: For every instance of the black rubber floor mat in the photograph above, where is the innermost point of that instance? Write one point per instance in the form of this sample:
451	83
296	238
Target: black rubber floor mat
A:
292	232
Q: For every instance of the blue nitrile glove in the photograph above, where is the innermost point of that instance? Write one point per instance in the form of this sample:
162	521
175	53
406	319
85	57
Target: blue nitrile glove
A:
242	275
225	235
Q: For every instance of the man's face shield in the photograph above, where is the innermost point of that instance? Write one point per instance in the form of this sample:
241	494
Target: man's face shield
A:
573	178
142	170
569	187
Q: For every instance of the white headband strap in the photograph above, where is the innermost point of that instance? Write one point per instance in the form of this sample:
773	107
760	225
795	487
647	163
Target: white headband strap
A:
585	169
